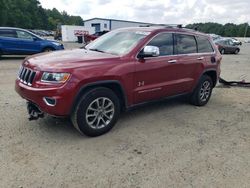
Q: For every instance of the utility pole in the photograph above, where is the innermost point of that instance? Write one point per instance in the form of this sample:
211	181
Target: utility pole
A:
246	30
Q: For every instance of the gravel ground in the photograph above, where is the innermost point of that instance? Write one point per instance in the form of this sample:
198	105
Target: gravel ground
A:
166	144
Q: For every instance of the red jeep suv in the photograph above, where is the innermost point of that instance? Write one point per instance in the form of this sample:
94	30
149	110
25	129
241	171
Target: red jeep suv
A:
121	69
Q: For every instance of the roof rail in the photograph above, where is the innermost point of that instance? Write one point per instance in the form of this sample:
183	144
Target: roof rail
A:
163	25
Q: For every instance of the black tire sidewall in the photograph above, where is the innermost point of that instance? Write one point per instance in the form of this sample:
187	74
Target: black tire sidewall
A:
48	49
195	99
83	105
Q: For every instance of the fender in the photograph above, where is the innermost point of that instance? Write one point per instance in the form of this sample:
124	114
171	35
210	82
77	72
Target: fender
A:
204	72
88	86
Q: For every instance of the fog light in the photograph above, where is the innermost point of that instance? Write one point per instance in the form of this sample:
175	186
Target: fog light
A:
49	101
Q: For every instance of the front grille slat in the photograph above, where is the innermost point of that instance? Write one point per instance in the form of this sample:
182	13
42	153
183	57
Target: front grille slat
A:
26	75
20	71
23	74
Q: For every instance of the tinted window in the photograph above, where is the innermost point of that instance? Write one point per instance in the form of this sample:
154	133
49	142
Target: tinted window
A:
24	35
164	42
204	45
7	33
230	42
185	44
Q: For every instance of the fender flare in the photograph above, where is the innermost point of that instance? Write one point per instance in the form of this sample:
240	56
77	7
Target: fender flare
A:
89	86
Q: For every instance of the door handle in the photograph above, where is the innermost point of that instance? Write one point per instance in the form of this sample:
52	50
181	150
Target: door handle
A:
172	61
200	58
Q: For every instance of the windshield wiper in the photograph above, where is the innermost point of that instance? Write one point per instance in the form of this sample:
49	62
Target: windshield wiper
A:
97	50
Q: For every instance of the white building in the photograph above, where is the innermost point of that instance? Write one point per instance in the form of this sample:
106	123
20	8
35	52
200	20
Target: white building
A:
91	26
101	24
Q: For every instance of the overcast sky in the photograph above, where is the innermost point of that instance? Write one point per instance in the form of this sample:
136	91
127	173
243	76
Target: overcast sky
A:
157	11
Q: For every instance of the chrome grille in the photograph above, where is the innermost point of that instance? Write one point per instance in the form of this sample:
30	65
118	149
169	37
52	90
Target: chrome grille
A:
26	75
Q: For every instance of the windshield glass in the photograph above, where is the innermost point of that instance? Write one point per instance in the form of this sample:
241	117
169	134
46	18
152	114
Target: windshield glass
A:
117	42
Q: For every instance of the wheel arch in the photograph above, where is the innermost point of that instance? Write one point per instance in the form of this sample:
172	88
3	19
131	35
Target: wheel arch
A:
114	85
46	47
212	74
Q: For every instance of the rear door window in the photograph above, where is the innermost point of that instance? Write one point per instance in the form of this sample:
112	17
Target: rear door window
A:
24	35
185	44
8	33
164	41
204	46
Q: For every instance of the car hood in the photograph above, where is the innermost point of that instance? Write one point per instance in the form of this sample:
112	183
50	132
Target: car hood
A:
67	59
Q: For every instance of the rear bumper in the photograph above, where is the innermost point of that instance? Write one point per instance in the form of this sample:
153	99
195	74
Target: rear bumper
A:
62	95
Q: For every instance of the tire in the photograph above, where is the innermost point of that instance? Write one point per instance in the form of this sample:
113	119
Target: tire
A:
202	92
222	51
92	121
236	51
48	49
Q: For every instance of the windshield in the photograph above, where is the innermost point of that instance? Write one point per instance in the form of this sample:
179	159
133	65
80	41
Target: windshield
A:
117	42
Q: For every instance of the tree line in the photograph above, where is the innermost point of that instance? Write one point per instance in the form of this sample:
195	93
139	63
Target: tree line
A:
29	14
227	30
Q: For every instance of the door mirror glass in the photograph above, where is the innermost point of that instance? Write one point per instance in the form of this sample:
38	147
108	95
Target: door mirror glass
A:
150	51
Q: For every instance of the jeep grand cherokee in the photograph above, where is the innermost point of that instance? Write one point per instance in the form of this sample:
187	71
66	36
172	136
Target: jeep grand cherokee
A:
120	70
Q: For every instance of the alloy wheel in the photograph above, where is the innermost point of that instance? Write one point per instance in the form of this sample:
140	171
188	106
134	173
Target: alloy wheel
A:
100	112
205	91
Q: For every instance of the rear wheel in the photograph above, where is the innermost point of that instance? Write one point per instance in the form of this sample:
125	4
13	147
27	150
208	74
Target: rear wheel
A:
202	92
97	112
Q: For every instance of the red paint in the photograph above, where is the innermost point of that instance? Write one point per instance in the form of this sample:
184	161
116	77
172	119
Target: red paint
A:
141	79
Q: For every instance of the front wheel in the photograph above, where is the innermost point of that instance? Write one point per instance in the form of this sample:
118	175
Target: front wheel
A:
48	49
222	51
97	112
236	51
202	92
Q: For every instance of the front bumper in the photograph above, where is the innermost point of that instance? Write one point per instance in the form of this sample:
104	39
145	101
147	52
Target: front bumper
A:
62	95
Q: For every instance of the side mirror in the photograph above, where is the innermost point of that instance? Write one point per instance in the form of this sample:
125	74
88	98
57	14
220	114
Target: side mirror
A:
35	39
149	51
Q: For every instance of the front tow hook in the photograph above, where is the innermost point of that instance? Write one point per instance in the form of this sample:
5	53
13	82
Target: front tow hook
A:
34	112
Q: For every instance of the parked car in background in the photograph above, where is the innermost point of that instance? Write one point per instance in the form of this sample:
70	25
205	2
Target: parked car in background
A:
215	37
227	46
88	38
236	41
42	33
118	71
16	41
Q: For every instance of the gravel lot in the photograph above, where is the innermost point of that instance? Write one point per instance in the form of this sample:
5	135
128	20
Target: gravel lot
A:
167	144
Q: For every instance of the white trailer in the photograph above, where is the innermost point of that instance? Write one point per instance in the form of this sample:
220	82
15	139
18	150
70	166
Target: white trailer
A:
70	32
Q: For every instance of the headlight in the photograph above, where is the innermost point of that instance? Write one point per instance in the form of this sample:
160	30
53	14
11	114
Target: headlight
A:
55	77
56	43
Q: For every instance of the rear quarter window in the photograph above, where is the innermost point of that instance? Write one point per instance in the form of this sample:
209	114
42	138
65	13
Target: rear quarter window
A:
8	33
185	44
204	46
